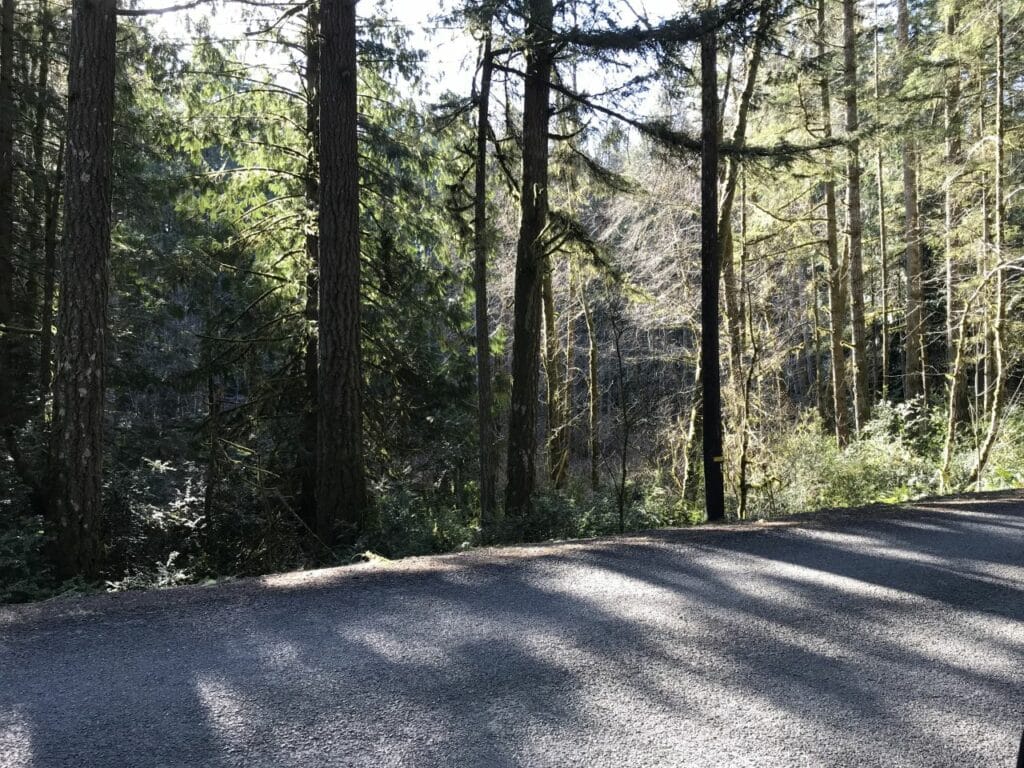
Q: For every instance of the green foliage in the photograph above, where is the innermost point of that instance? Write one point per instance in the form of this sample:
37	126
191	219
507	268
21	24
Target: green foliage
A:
812	473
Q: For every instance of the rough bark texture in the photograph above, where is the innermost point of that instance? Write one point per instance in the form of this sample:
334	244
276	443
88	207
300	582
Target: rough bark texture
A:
340	484
485	393
522	439
77	437
913	378
836	267
854	220
714	489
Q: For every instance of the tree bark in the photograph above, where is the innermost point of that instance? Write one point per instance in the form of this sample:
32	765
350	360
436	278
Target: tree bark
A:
530	256
913	374
76	452
341	495
854	219
837	272
485	394
714	490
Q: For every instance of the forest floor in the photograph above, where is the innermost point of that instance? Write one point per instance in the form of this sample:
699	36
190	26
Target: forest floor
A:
878	637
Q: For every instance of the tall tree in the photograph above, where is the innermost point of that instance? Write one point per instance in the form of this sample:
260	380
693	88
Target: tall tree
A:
341	495
76	453
481	241
530	260
913	369
854	218
836	264
711	396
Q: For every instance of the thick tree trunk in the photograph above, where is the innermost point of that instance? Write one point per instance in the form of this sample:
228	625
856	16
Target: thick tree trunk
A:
308	449
854	220
341	496
485	395
714	490
530	256
913	378
76	452
837	271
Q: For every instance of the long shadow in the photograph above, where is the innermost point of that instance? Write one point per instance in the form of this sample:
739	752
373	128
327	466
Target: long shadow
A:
747	647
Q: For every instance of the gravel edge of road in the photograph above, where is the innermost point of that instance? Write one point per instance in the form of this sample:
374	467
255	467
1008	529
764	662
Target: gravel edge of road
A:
23	616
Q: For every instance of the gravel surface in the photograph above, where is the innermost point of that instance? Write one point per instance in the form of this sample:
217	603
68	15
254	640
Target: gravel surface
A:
884	637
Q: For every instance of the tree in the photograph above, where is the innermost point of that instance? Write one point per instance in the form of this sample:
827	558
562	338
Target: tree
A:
341	495
913	374
711	396
854	218
836	265
530	261
481	243
76	452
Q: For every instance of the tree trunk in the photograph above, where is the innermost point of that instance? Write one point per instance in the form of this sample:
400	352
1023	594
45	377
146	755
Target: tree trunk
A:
733	311
957	381
913	373
694	436
883	253
998	231
620	367
530	256
485	396
593	410
341	496
76	475
854	220
837	272
558	455
714	490
308	449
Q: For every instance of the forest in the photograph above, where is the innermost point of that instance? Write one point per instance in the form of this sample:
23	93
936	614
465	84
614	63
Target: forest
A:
292	291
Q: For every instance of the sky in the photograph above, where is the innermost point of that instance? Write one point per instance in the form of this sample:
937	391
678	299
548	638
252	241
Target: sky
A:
450	53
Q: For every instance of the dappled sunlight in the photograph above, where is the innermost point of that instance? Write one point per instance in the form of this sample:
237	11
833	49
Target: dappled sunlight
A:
15	740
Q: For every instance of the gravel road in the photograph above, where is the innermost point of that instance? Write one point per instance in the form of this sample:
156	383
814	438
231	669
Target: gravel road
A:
885	637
